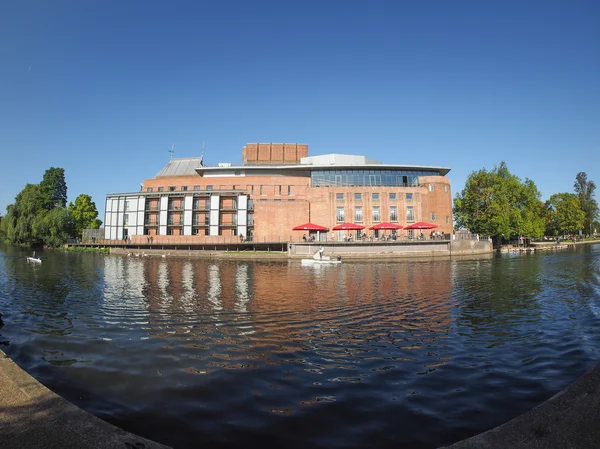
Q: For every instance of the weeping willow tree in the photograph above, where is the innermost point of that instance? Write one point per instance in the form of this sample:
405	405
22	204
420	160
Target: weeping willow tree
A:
38	215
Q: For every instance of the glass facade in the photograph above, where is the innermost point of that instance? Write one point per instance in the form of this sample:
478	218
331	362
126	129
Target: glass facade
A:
350	178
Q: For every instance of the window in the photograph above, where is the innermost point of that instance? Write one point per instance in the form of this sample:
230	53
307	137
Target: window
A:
171	188
261	189
410	214
252	190
433	216
358	216
234	203
279	190
263	200
125	219
289	190
447	219
183	188
196	187
250	204
277	200
431	187
237	173
358	197
409	197
445	187
376	214
161	189
340	215
393	213
149	189
392	196
291	200
170	231
375	196
126	206
339	196
170	220
208	187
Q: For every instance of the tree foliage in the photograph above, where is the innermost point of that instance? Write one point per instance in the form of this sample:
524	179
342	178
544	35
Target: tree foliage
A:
566	216
84	213
39	215
54	188
497	203
585	192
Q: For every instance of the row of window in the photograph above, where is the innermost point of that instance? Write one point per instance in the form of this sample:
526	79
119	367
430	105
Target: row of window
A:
376	214
279	190
374	196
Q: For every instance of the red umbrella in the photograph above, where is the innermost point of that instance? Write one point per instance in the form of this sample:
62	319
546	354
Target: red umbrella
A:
385	225
348	227
310	227
421	225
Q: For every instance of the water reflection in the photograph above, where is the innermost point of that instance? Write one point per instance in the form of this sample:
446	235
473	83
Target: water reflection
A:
241	354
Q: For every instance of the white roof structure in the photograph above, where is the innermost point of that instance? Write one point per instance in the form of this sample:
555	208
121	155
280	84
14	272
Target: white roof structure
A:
344	160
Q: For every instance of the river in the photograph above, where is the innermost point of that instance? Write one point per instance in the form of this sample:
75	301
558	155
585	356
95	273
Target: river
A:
237	354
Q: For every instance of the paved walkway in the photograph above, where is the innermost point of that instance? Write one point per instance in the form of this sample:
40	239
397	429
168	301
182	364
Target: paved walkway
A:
571	419
31	416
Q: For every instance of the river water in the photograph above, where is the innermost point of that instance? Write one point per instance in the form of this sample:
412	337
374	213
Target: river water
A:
222	354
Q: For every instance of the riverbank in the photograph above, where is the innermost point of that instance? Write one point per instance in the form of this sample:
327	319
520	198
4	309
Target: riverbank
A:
569	419
32	417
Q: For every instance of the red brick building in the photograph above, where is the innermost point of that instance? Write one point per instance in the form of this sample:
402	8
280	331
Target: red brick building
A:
277	187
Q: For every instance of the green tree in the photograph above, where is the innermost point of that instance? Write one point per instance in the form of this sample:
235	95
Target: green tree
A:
585	193
17	225
497	203
84	213
566	214
53	227
54	188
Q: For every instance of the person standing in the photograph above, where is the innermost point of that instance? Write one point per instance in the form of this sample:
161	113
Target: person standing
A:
321	250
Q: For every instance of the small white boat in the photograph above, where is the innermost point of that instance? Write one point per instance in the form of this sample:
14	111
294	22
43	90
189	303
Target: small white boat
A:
34	259
319	259
320	262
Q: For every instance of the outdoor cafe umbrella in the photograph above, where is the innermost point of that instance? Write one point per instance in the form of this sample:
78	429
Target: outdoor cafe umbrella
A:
311	227
421	225
348	227
385	225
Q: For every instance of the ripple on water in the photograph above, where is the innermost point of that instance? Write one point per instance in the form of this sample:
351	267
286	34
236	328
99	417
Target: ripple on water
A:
237	354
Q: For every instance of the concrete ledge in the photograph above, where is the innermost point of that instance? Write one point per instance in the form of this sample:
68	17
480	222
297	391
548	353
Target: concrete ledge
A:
32	416
571	419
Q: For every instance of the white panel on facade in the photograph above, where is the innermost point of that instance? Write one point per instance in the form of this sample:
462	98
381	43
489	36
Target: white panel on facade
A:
187	230
113	219
242	217
187	204
113	233
243	202
187	218
164	202
214	203
106	232
214	230
242	230
214	218
115	204
108	204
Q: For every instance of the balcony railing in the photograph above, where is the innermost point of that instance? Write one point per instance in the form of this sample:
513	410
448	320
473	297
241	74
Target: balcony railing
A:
151	208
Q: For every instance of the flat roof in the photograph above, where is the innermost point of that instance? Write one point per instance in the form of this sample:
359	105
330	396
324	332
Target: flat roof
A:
443	171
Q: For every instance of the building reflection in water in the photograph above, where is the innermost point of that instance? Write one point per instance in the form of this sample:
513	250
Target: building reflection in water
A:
287	307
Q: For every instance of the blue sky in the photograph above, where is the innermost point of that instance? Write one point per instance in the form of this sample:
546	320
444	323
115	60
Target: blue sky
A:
104	88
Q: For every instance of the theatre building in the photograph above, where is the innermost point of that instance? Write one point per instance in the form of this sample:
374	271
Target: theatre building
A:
276	188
